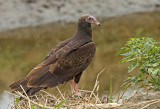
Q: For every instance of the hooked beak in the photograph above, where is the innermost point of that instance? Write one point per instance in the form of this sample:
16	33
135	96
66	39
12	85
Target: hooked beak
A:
92	20
96	22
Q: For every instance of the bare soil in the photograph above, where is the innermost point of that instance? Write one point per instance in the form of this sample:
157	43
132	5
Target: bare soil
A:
143	100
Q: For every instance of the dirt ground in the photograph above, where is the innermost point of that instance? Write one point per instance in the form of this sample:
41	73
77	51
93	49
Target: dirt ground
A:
143	100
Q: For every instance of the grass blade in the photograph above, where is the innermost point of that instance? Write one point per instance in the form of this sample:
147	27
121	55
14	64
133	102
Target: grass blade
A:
111	99
59	104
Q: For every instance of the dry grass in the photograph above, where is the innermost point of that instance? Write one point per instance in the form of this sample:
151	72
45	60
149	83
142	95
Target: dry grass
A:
87	99
49	101
45	100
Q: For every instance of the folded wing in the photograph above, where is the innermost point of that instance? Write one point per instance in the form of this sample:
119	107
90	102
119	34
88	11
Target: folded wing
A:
65	68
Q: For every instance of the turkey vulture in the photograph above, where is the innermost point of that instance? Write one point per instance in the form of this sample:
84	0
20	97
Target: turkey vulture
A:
66	61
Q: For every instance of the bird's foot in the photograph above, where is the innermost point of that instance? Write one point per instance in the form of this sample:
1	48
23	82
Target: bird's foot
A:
78	94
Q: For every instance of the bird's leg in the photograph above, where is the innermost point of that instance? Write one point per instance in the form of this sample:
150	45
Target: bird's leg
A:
76	89
77	93
72	85
76	80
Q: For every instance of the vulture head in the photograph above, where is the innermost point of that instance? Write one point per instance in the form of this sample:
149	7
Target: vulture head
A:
88	19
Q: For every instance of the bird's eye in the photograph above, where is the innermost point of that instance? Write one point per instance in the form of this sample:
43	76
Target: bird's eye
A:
90	18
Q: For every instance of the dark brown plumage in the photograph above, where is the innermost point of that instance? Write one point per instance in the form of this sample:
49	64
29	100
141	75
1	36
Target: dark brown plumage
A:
66	61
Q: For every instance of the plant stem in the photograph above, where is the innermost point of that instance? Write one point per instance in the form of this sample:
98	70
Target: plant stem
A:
111	99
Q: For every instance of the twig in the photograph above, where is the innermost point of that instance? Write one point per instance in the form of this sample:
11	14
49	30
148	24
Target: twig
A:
146	102
123	93
97	98
29	103
11	93
50	95
87	91
46	102
40	105
150	104
93	89
99	106
60	93
117	97
96	83
19	94
36	97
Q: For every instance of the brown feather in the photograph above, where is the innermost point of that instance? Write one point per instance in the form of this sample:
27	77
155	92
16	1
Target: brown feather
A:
65	68
18	83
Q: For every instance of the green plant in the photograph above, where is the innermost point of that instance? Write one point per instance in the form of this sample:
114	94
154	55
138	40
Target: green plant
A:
17	100
60	104
111	98
32	107
142	53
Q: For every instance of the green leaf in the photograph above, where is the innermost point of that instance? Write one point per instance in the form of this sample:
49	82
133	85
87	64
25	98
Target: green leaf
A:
132	66
125	59
155	64
150	70
32	107
126	54
147	45
159	79
131	59
125	83
17	100
134	82
143	52
59	104
120	51
155	72
152	64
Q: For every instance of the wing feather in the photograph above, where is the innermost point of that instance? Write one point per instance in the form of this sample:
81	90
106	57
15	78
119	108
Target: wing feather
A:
64	51
66	68
40	69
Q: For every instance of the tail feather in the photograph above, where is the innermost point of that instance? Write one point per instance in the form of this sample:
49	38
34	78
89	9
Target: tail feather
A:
48	80
23	82
36	72
32	91
17	84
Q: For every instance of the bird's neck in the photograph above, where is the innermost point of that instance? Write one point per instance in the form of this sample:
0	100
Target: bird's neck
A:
84	30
